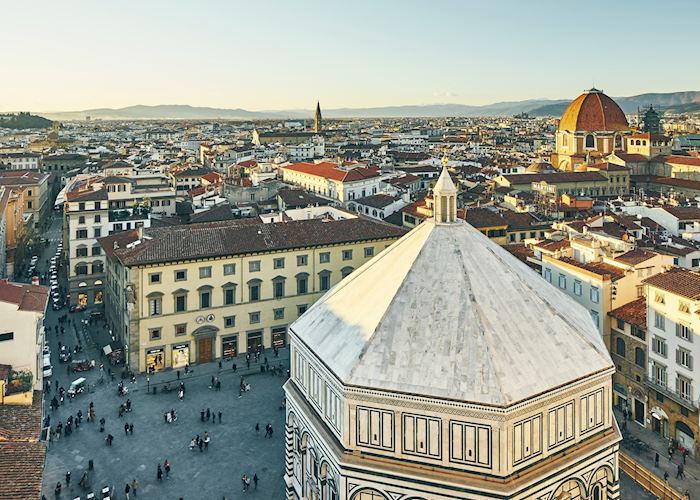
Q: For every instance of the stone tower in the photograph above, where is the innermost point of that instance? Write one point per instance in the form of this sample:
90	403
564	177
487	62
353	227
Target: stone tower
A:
318	119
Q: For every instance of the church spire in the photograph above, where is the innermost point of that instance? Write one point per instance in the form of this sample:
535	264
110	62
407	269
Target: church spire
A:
318	119
444	197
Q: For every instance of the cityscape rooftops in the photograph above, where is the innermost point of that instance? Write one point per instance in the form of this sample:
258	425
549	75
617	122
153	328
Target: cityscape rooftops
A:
26	297
634	313
679	281
332	171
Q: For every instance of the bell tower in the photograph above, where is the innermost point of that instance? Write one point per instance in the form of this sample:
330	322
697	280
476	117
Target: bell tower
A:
445	197
318	119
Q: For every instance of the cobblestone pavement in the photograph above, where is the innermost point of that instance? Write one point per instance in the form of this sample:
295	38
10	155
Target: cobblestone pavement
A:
236	448
642	444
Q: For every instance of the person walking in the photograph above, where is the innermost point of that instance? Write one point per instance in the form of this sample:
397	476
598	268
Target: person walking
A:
178	374
257	428
220	422
166	466
206	440
192	444
208	414
255	480
159	473
666	476
126	429
109	439
244	480
656	459
127	490
679	472
135	486
201	415
131	428
57	489
68	479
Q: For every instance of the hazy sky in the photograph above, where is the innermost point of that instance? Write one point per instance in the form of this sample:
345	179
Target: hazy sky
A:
257	55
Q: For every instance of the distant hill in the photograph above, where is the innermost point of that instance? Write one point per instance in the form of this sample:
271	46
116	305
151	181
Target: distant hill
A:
21	121
677	102
673	102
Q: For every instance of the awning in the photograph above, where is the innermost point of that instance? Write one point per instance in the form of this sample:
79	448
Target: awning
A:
658	413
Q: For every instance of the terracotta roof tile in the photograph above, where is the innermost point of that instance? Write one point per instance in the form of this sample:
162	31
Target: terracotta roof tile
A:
678	281
634	313
27	297
330	170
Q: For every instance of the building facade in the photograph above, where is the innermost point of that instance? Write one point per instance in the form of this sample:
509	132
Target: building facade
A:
215	290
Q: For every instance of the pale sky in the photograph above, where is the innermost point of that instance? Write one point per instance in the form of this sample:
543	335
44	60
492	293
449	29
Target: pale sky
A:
261	55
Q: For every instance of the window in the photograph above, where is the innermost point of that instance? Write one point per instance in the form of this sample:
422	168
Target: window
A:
155	306
205	298
229	295
98	218
577	287
81	269
254	266
590	141
81	206
229	321
324	280
562	281
278	313
180	275
302	260
324	257
639	357
346	271
278	263
684	358
347	254
154	278
81	234
621	325
254	317
369	252
81	219
659	298
548	274
7	336
81	252
205	272
684	332
278	287
658	345
659	321
254	290
659	373
181	302
620	347
229	269
98	232
154	334
684	388
683	307
96	250
302	283
301	309
98	205
638	332
180	330
596	318
595	295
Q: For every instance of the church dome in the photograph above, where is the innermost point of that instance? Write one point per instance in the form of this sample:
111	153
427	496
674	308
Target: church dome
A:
593	111
540	167
446	313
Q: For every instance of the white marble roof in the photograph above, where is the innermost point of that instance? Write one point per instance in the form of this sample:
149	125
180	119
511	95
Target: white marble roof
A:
446	313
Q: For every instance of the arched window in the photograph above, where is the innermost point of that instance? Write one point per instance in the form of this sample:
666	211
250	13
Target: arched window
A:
346	271
639	357
597	492
590	141
644	143
638	142
564	140
620	347
367	494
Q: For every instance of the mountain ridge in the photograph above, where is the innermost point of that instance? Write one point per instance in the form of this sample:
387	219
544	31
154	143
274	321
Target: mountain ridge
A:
677	102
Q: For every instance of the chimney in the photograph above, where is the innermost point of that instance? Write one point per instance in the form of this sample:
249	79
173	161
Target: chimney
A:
115	245
140	229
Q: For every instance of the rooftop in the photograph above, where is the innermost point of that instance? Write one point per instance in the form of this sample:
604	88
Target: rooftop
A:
677	281
26	297
634	313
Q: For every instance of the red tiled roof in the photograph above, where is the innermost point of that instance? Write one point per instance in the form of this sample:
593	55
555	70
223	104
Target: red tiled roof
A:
678	281
21	470
634	313
552	245
247	163
593	111
683	160
213	177
634	257
27	297
330	170
598	268
630	157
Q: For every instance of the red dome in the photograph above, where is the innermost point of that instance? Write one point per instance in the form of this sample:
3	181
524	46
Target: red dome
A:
593	111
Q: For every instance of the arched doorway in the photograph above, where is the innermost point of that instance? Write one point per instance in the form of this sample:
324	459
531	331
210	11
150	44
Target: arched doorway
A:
685	436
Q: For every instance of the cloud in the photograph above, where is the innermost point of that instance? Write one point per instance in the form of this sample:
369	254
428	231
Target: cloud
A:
446	93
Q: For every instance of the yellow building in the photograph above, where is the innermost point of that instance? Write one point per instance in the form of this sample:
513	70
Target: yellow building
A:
213	290
592	126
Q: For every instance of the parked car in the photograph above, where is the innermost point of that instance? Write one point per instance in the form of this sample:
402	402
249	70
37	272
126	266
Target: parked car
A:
81	365
47	368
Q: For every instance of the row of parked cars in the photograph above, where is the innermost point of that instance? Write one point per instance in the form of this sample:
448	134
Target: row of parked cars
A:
56	299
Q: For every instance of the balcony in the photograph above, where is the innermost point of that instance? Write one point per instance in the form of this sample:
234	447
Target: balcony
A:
126	214
672	394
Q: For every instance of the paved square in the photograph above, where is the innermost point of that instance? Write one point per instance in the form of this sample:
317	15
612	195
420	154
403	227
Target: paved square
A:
235	447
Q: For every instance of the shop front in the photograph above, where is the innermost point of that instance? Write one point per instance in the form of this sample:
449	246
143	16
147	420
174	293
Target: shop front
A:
620	393
155	359
279	336
255	340
685	437
181	355
659	421
229	347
